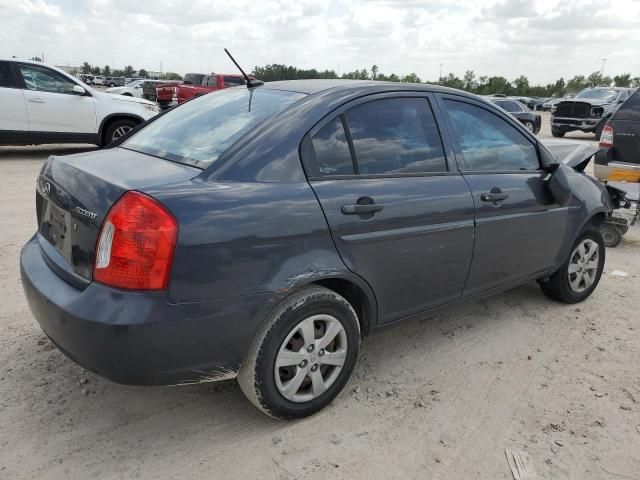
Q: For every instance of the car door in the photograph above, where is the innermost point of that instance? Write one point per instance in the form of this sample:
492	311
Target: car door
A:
52	106
14	125
519	225
399	216
626	131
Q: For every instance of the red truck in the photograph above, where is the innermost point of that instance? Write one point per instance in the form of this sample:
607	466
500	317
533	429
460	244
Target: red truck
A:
194	85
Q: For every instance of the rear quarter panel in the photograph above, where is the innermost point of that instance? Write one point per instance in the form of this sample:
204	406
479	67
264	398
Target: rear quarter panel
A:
246	238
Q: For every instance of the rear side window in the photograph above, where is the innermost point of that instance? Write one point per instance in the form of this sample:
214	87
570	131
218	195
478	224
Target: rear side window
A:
232	81
7	80
509	106
396	135
331	149
629	110
489	142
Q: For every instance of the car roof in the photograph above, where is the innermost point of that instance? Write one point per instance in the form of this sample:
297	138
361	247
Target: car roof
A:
311	87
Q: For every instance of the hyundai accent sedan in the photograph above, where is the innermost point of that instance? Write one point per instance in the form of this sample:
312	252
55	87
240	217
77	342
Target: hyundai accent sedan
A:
261	233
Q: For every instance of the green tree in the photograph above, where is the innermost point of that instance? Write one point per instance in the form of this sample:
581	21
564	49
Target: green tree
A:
635	82
95	70
596	79
411	78
86	68
143	73
452	81
469	81
623	80
374	72
577	83
128	71
521	85
106	70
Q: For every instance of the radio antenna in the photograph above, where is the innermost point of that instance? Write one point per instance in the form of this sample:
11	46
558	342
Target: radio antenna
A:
251	82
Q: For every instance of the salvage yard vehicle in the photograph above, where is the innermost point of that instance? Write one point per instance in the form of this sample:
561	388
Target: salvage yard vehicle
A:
137	88
618	160
174	94
42	104
588	111
263	232
532	121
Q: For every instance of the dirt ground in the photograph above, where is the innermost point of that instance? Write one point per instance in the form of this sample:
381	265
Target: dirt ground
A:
437	399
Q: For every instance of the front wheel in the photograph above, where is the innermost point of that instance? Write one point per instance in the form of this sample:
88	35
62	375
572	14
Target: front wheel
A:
530	126
303	355
578	277
118	129
557	133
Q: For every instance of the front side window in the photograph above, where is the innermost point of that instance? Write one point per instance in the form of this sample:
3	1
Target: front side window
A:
42	79
396	135
6	76
489	142
199	131
331	149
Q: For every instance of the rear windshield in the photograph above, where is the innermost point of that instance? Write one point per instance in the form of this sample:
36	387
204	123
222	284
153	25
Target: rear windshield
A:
199	131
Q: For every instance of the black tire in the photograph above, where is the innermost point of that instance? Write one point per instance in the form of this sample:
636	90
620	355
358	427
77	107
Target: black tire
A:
257	374
115	128
557	133
610	235
529	126
557	286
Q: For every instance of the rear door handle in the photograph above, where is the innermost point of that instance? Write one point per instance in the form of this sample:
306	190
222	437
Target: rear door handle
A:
495	195
36	100
360	209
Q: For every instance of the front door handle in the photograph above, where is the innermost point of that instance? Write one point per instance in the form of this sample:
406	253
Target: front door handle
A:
36	100
359	209
495	195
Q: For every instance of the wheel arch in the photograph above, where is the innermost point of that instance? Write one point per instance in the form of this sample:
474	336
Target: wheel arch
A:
360	297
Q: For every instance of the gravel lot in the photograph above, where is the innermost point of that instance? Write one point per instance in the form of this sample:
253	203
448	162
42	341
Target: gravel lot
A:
440	398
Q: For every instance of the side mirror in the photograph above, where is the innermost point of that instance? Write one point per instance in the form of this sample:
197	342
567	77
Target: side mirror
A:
78	90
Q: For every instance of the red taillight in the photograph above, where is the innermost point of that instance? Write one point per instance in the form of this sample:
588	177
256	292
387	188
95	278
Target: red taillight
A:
606	137
136	244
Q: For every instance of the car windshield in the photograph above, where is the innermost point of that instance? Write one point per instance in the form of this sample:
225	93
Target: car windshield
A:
134	83
598	93
199	131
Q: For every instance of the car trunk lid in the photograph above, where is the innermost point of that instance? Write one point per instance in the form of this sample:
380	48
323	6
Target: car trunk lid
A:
75	193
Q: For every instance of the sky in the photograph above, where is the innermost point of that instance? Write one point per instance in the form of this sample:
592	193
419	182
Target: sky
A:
543	39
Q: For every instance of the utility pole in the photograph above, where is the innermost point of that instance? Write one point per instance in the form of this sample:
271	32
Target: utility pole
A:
604	60
440	76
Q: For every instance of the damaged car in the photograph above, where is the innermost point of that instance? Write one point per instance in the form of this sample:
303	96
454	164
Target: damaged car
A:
588	111
263	232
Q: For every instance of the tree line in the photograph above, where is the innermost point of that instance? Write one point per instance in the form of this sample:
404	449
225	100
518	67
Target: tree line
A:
481	85
128	71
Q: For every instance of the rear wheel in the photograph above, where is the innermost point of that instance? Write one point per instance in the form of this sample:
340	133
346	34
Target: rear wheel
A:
303	355
557	133
530	126
578	277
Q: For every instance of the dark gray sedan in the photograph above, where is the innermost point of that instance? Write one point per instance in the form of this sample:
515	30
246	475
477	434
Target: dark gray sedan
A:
263	232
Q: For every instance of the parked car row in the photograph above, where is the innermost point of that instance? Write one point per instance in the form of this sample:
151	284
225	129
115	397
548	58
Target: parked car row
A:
43	104
141	88
531	120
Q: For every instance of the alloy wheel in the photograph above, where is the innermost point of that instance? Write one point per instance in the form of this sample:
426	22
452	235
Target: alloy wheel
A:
120	131
583	265
529	126
310	358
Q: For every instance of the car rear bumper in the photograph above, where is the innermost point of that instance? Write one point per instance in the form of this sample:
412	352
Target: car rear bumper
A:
139	338
567	123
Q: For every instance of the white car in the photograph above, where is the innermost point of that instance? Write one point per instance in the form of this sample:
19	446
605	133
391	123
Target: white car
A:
135	88
42	104
98	80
